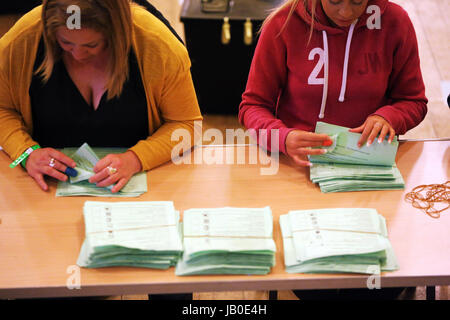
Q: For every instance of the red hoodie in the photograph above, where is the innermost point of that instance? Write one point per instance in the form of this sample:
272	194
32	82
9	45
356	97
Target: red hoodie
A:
289	87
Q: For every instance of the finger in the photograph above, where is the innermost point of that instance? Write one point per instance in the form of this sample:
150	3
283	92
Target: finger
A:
61	157
301	162
39	178
365	134
103	163
58	165
310	151
100	176
122	182
377	127
391	135
108	181
383	133
305	144
358	129
51	172
314	137
71	172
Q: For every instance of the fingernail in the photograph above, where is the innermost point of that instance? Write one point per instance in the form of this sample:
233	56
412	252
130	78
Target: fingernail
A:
327	143
324	151
71	172
369	143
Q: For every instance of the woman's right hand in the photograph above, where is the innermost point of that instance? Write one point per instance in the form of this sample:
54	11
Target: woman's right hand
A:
39	163
299	145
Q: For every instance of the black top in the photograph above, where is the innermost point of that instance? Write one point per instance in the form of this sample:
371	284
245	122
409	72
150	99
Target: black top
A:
63	118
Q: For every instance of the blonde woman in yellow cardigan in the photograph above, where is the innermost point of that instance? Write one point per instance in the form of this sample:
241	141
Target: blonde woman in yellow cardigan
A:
120	78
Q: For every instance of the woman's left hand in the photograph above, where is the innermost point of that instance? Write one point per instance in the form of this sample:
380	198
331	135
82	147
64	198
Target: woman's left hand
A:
116	169
371	128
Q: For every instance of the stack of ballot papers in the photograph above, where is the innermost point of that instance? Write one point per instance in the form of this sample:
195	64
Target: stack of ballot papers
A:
227	241
135	234
345	167
86	158
347	240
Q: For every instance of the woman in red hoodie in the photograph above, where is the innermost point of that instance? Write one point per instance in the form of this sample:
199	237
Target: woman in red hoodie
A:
353	63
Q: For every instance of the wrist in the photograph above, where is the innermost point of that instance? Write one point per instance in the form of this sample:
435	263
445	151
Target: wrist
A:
284	133
23	157
137	166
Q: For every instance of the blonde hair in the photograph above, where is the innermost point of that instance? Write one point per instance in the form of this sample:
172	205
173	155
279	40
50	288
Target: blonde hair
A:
112	18
293	5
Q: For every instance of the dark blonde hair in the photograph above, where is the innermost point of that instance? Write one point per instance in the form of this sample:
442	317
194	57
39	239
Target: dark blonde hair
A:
112	18
293	5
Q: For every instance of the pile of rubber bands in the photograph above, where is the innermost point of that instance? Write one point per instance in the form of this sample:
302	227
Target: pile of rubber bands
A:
425	197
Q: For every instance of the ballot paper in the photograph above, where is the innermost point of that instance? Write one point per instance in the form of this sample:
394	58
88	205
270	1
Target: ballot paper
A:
346	167
86	158
338	240
344	177
345	149
227	241
136	234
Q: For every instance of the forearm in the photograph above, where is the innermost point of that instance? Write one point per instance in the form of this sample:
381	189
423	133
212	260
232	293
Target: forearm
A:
404	115
261	119
157	149
14	136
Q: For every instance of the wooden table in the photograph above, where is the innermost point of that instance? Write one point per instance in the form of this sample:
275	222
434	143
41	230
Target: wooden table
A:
41	235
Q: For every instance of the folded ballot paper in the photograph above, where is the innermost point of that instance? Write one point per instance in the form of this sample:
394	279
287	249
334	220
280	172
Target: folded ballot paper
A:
347	240
86	158
135	234
345	167
227	241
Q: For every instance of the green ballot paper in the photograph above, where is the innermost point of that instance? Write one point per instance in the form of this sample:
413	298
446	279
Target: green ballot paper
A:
86	158
338	240
346	167
345	149
227	241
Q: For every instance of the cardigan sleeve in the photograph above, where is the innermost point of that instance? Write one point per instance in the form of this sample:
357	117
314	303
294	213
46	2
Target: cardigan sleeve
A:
16	50
14	136
173	106
179	110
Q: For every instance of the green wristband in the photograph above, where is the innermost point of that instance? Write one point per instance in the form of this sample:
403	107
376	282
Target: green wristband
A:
24	163
23	156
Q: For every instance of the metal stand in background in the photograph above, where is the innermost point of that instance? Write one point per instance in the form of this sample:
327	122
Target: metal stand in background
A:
273	295
431	292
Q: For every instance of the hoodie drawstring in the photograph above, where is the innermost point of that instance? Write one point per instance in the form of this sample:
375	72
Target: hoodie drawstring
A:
325	82
347	53
344	72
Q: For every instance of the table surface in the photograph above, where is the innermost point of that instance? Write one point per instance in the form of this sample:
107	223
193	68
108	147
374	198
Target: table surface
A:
41	235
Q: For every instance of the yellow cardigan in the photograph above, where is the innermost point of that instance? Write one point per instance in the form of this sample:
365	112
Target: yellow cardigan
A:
165	69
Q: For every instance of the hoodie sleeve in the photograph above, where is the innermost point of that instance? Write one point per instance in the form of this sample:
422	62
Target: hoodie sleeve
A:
266	79
406	90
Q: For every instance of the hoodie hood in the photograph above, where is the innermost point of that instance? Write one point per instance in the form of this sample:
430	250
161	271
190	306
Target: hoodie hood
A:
322	24
321	20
